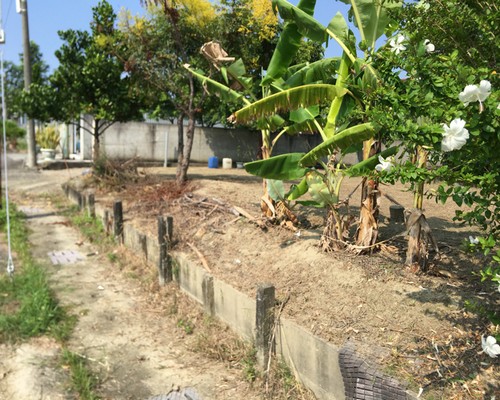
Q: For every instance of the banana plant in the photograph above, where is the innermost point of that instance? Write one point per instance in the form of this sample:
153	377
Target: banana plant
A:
284	94
300	120
371	18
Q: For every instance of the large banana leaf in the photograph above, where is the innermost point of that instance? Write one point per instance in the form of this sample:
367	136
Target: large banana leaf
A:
341	140
338	28
291	99
306	24
271	123
237	72
368	165
288	44
275	189
371	17
282	167
308	126
218	88
303	114
319	71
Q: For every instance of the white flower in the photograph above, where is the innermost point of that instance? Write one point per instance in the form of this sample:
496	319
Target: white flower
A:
454	136
397	44
474	93
490	346
429	47
385	164
473	240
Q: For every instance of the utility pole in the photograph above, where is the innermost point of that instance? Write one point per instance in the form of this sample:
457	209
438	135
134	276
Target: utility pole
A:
22	8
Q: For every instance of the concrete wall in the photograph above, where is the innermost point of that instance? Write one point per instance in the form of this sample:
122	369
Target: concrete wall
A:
313	360
154	141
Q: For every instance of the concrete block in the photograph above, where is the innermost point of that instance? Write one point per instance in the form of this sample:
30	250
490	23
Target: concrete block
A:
314	361
236	309
191	277
153	249
135	240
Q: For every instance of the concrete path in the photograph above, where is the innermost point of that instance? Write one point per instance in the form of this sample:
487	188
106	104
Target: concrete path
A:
138	353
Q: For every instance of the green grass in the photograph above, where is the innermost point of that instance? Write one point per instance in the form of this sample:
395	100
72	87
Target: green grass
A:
83	381
249	363
28	307
90	227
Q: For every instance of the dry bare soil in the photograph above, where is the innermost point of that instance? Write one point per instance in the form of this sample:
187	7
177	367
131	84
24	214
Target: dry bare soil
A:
425	324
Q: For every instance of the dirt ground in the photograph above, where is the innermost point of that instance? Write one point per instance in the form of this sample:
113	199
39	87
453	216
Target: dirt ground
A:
433	340
141	341
429	336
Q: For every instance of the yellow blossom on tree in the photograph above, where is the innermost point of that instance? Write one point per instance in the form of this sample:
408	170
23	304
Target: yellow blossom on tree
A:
139	24
265	17
199	12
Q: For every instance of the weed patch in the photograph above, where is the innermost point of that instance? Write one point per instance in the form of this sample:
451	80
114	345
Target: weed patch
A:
28	307
83	381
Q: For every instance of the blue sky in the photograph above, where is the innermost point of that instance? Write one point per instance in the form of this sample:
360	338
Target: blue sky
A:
47	17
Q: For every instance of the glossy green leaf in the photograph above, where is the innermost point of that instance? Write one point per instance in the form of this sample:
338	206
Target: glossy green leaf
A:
237	71
341	140
306	24
288	44
271	123
319	71
371	17
318	190
338	26
303	114
282	167
333	112
306	127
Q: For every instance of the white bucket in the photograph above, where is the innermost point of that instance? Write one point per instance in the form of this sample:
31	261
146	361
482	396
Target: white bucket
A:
227	163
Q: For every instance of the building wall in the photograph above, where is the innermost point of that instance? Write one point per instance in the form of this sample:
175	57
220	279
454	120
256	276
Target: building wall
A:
152	141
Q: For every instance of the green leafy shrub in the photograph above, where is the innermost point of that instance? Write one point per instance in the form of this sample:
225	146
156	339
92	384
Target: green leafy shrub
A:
13	132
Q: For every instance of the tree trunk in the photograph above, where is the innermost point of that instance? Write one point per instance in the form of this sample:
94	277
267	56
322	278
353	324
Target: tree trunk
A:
180	175
96	149
334	233
367	233
416	253
267	205
184	160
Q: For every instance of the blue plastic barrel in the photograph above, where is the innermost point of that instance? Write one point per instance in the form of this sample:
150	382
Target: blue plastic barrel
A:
213	162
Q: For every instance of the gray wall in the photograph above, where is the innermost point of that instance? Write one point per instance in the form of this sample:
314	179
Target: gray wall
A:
147	141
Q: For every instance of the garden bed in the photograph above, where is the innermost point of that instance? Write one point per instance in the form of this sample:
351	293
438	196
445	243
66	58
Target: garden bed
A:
428	336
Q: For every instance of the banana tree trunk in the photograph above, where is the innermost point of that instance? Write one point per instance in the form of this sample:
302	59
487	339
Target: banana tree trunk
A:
418	228
334	232
267	204
367	233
